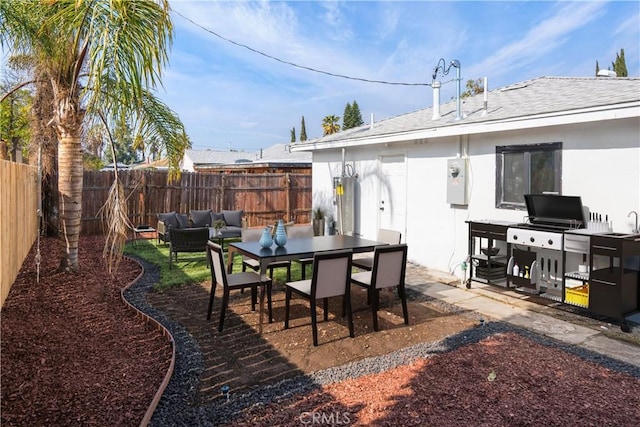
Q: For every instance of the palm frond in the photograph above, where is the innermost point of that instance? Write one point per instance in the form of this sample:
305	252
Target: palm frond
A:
116	220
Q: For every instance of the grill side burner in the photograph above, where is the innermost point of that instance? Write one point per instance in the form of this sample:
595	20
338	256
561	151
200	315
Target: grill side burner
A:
535	238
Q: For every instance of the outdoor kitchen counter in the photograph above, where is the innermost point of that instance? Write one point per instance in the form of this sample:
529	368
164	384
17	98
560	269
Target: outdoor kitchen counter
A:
614	280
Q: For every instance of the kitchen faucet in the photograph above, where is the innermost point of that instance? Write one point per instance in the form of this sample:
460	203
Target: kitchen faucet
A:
636	229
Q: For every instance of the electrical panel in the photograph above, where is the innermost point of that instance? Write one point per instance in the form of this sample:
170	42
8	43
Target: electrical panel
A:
344	191
457	181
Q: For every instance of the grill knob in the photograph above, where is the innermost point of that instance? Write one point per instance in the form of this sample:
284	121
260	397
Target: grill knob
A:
515	237
550	242
532	239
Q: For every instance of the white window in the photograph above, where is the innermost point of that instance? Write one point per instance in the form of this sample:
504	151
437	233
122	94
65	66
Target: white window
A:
527	169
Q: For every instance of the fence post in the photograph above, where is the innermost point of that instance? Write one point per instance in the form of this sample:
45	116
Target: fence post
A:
287	185
223	184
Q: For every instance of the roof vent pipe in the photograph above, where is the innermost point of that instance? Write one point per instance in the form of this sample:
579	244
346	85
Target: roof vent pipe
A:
486	97
436	100
444	69
371	123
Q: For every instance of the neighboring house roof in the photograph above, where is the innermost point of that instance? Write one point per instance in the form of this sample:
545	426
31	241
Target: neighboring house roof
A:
161	164
276	154
281	153
533	103
110	166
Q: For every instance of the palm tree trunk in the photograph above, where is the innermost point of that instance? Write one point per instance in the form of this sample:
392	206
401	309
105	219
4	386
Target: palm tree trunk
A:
70	196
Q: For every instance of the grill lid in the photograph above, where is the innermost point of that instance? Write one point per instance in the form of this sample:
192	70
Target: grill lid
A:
555	210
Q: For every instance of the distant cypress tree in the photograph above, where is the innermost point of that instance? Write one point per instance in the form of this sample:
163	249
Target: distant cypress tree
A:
620	66
303	131
351	117
357	117
293	134
347	117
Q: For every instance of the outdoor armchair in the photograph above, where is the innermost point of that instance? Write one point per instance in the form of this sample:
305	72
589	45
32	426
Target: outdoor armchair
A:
187	240
167	221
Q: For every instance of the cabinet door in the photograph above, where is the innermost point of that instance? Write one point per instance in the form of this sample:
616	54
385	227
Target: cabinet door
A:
604	297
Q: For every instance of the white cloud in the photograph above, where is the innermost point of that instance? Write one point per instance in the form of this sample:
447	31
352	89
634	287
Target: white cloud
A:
541	39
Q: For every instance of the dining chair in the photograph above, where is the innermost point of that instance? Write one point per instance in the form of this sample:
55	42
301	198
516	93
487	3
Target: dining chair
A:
390	237
229	282
331	278
389	266
253	235
301	232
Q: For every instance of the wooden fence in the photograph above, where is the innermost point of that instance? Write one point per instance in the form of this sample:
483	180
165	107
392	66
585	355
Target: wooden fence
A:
263	197
18	219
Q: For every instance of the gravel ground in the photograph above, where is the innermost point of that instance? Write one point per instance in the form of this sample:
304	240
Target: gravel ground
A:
176	406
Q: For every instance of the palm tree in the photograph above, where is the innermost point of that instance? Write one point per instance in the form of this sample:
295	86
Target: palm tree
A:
330	124
101	59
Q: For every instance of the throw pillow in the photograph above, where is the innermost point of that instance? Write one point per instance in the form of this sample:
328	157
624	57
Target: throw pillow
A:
215	216
183	221
201	218
169	219
233	218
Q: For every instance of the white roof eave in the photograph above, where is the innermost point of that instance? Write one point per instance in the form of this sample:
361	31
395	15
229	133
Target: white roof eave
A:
594	114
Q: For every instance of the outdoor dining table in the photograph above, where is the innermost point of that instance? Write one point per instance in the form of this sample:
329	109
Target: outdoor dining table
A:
295	249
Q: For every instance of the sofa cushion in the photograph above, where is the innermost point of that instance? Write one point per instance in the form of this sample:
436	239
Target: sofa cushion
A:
201	218
230	231
233	218
169	218
216	216
183	220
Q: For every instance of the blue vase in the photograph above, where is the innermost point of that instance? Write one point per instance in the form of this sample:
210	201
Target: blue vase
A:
266	241
281	234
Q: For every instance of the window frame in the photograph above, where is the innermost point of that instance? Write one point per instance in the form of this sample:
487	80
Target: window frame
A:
526	149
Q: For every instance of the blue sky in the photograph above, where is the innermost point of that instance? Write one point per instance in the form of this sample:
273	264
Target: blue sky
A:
230	97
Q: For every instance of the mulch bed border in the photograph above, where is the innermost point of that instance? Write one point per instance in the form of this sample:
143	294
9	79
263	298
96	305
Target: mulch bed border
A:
165	332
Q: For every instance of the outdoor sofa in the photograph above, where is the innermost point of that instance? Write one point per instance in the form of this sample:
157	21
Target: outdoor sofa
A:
232	222
194	231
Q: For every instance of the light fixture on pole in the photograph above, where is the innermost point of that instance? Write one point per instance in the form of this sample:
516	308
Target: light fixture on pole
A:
441	67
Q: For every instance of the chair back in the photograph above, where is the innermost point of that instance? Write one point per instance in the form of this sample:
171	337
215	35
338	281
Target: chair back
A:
251	234
390	237
189	239
300	231
331	274
389	265
216	261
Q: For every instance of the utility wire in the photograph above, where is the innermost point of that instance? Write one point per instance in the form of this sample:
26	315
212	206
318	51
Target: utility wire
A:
294	64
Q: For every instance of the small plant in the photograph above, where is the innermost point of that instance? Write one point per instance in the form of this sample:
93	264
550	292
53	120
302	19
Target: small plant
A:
319	213
218	224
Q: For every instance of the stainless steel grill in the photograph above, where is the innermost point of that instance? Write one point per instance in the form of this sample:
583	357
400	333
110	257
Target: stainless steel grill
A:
536	261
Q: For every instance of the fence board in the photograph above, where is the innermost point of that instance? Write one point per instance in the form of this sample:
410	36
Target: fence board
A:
18	219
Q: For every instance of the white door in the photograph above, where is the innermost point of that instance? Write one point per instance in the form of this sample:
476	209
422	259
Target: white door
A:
392	194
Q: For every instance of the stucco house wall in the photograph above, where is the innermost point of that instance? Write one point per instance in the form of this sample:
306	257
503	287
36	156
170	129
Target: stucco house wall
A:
600	163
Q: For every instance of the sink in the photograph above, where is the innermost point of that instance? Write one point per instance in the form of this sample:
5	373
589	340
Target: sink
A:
626	236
